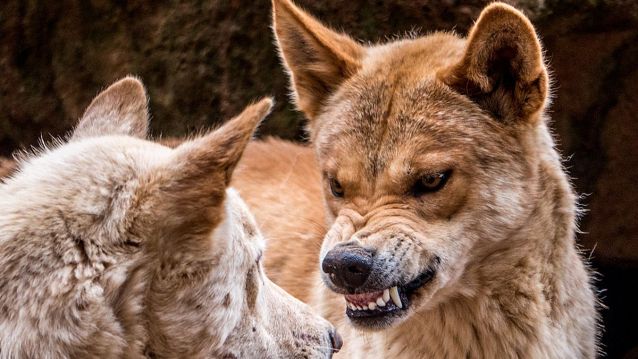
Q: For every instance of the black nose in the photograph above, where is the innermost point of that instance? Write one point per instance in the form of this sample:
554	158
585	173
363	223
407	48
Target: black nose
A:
336	340
348	266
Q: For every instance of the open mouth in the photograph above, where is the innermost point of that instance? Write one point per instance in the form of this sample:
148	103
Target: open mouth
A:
376	309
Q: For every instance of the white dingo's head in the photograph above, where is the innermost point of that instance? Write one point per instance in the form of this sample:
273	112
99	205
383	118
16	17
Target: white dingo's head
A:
112	245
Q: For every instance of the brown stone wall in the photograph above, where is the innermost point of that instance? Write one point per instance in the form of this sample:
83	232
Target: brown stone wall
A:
204	60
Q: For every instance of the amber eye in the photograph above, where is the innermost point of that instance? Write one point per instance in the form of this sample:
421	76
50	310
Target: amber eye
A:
430	183
335	187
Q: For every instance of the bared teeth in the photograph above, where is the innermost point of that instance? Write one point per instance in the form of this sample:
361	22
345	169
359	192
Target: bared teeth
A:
394	294
381	301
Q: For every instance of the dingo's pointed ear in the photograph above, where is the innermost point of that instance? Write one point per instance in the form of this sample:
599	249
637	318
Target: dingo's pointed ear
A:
186	193
121	109
201	169
318	59
502	69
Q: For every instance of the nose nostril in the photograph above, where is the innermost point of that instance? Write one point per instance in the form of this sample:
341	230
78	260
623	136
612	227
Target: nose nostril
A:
348	267
335	340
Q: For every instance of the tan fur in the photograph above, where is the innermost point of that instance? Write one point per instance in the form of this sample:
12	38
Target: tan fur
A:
288	168
499	236
113	246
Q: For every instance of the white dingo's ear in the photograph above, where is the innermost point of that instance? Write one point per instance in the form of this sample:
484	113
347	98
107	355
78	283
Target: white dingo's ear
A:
121	109
318	59
218	152
502	69
201	169
192	184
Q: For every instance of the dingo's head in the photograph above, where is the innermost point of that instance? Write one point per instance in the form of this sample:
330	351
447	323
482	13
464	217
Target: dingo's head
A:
132	206
423	144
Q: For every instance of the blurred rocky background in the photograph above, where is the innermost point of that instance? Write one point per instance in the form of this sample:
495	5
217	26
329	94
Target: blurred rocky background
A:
202	61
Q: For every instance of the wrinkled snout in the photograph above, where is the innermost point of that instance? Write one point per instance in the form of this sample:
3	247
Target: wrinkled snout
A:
348	265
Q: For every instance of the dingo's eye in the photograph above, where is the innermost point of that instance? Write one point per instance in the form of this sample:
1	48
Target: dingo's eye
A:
335	187
430	183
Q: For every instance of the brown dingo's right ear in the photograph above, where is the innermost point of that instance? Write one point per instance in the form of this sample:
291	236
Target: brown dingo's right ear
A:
121	109
318	59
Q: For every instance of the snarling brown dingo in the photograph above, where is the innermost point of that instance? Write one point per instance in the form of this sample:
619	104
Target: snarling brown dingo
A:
112	246
432	217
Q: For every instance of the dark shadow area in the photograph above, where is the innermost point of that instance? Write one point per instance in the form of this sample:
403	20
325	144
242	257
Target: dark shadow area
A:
620	295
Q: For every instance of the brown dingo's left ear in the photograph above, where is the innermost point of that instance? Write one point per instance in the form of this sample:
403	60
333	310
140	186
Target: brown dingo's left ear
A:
318	59
121	109
502	69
